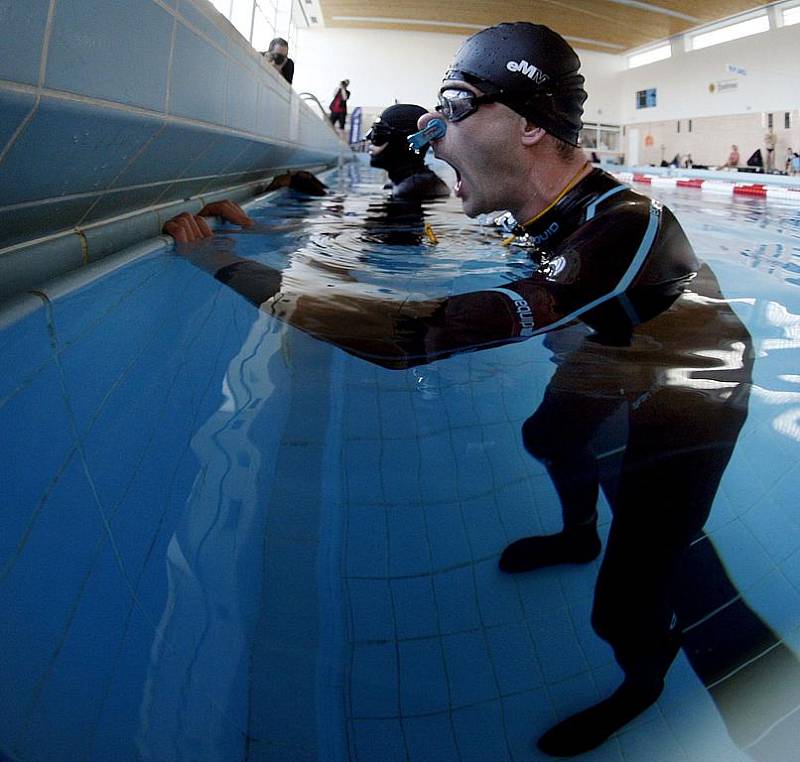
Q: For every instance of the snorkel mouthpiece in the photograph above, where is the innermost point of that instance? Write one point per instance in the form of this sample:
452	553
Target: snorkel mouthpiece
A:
434	130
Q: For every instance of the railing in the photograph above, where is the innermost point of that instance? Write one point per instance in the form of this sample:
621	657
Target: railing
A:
312	97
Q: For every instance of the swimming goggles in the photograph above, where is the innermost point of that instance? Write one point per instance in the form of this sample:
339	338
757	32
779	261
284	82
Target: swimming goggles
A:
380	134
456	105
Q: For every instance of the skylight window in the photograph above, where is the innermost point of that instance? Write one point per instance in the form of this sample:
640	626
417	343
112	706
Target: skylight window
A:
649	56
730	32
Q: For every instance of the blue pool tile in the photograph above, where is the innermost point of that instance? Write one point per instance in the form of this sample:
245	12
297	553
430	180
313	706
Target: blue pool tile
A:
697	726
361	413
23	35
557	645
93	53
469	669
84	668
474	473
371	614
437	474
514	658
447	535
653	741
242	98
264	750
415	610
398	420
743	556
456	600
541	592
36	421
487	535
16	225
168	155
204	23
572	695
373	680
362	473
15	107
777	602
198	78
118	721
525	717
774	527
516	504
739	486
423	680
273	111
480	733
430	739
366	546
498	597
25	347
83	146
407	540
43	581
399	469
379	739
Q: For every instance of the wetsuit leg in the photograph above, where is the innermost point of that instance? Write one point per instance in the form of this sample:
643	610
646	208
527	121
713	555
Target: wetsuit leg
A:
679	445
560	435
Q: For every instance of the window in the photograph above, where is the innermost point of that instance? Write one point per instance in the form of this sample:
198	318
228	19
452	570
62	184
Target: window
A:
649	56
790	16
689	127
646	98
770	122
259	21
678	126
787	120
734	31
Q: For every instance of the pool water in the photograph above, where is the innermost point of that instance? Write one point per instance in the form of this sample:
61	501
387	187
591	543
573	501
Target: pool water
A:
223	538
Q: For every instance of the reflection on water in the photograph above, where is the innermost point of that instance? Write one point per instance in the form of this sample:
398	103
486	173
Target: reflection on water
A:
310	537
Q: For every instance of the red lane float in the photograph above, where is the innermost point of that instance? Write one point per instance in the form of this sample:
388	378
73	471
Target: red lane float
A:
749	190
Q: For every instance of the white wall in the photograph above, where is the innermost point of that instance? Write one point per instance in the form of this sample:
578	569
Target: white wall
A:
772	62
384	66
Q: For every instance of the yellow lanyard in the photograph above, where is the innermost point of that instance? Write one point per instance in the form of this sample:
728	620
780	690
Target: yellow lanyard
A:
568	187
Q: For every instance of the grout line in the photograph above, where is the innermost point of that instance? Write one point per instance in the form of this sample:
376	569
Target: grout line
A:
109	189
48	31
168	89
23	125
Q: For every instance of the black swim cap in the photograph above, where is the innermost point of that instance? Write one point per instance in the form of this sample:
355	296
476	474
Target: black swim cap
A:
402	117
396	123
532	69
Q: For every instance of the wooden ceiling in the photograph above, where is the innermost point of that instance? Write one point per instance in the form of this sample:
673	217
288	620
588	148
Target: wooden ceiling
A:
609	26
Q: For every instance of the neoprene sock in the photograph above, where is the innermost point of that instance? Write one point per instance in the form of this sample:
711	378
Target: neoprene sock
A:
571	546
588	729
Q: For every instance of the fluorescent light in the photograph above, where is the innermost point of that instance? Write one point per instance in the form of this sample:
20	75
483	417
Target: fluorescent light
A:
731	32
649	56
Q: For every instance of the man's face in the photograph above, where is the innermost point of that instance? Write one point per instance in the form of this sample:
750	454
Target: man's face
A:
280	50
481	148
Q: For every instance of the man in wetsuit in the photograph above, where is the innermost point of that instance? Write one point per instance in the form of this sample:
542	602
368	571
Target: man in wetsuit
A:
634	322
410	178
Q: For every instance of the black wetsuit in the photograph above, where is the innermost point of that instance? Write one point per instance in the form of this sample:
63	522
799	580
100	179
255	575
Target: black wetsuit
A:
421	184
